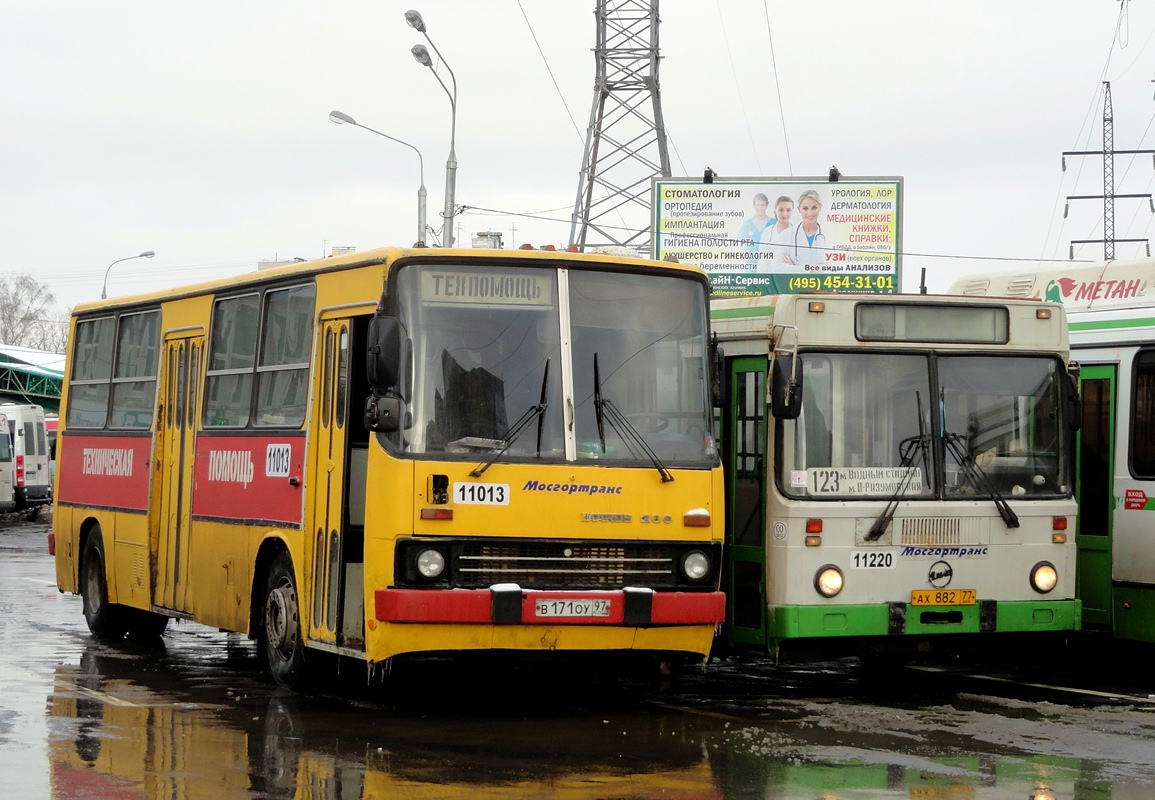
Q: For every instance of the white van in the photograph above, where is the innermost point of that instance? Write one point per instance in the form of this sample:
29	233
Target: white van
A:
29	440
51	421
7	470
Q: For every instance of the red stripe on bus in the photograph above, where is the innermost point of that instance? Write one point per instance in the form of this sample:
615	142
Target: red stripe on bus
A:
686	608
446	606
249	476
109	471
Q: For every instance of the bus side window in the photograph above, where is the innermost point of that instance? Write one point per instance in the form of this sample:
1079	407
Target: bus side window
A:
134	375
286	343
92	368
229	379
1142	411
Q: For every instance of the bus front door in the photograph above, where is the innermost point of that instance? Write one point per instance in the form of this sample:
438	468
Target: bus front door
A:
746	503
171	546
330	482
1094	492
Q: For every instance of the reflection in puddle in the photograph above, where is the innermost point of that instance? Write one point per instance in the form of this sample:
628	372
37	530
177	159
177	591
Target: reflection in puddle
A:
125	727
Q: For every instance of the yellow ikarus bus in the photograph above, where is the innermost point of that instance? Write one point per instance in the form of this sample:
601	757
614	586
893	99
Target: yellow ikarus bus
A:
399	452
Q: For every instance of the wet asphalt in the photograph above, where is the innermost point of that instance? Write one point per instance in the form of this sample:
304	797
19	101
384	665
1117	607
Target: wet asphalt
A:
191	715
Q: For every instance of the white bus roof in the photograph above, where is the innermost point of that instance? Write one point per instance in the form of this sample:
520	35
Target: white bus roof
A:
1097	286
752	325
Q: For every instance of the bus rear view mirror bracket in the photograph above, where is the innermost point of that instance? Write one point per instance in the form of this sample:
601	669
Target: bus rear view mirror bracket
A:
383	358
1074	406
786	387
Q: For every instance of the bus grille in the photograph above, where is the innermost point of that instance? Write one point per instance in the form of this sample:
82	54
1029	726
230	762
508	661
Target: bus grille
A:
537	564
594	566
942	531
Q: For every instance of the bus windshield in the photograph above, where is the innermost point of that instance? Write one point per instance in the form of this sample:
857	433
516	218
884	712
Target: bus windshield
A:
931	425
487	344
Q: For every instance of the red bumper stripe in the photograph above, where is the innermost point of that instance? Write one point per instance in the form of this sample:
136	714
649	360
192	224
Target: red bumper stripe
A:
476	606
449	605
684	608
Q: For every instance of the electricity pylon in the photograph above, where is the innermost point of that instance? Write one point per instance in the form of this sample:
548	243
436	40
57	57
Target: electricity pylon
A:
626	137
1108	196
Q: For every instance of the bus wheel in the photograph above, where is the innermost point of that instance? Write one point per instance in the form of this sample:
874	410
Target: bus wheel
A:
105	620
283	645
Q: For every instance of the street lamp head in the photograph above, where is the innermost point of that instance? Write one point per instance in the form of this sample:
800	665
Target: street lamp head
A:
341	118
104	287
421	55
415	21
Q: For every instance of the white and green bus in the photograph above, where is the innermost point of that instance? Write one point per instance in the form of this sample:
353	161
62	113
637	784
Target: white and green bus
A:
899	471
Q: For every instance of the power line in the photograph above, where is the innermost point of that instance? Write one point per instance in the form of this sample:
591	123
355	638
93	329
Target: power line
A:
541	52
84	277
904	253
738	86
777	88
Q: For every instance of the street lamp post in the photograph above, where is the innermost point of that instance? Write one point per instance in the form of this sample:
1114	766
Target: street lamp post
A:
341	118
421	55
104	288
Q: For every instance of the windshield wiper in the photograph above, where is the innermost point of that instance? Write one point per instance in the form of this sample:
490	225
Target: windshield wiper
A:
542	405
978	478
605	410
975	475
534	411
598	405
907	449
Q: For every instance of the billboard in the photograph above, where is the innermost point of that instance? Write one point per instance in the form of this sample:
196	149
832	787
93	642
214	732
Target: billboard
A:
758	236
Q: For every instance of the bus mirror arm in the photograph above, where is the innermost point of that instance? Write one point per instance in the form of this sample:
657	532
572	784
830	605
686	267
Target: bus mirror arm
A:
1074	407
786	388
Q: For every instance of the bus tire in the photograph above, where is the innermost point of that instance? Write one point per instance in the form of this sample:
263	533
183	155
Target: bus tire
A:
105	620
282	643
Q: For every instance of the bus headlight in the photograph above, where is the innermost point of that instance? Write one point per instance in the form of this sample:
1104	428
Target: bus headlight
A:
430	563
695	565
828	581
1044	577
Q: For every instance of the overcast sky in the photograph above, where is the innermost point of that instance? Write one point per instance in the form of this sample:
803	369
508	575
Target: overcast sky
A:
201	130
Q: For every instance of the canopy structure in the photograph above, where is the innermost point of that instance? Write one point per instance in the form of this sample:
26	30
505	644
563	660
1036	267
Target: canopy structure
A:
31	376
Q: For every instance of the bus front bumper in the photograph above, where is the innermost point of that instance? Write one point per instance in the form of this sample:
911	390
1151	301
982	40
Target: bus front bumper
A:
890	619
509	604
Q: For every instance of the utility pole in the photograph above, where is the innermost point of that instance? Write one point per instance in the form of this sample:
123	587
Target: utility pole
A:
1108	196
626	138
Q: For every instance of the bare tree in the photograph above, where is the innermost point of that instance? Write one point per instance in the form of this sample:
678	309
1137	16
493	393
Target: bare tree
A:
28	315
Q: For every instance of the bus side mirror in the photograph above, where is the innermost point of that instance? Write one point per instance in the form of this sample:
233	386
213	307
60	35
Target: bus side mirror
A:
1074	406
718	378
786	388
383	414
383	361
